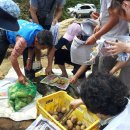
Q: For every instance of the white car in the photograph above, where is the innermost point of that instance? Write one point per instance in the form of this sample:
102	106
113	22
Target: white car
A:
82	10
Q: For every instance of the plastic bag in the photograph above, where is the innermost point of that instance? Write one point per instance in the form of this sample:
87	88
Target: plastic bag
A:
80	53
88	26
55	32
21	95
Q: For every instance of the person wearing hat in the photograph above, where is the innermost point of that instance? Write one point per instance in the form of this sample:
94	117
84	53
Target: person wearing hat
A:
29	36
62	56
9	12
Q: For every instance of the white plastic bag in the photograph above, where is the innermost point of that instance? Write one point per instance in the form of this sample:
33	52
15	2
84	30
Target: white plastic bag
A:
80	53
88	26
55	32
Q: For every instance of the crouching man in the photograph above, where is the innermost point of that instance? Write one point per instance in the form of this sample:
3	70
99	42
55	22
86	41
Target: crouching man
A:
29	37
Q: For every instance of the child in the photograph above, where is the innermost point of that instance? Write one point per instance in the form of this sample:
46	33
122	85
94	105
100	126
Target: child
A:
62	56
106	96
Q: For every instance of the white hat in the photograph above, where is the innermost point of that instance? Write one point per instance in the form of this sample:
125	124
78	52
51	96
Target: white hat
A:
9	12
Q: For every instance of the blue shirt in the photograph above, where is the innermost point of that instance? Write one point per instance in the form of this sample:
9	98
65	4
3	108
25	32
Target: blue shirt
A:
28	30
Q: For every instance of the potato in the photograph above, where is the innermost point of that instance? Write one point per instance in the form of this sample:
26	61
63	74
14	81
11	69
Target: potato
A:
63	110
83	127
58	81
79	123
58	109
74	119
69	124
56	117
56	113
74	129
77	127
54	80
62	81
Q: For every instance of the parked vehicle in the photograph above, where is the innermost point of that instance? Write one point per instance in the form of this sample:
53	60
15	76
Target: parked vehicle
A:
82	10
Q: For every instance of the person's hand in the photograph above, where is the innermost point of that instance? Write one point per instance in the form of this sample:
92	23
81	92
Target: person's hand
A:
96	29
22	79
116	47
54	21
48	70
76	103
73	79
94	15
91	40
29	64
111	71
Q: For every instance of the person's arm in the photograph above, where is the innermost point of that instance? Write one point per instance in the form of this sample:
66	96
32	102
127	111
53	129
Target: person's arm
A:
50	57
58	14
118	66
17	51
38	54
30	58
94	15
76	103
33	14
58	11
113	20
78	73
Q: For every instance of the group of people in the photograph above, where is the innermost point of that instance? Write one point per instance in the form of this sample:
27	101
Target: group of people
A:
31	36
102	93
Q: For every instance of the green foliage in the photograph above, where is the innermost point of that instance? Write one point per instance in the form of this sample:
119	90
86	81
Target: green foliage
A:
24	6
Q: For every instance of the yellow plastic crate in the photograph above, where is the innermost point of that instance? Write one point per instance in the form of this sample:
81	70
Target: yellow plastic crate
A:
62	99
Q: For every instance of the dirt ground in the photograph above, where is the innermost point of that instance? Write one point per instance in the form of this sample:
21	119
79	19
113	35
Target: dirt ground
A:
7	124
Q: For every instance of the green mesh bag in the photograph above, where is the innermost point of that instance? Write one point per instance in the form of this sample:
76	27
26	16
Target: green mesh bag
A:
21	95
